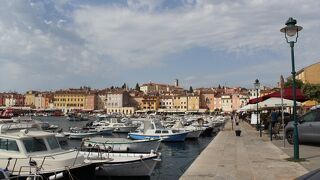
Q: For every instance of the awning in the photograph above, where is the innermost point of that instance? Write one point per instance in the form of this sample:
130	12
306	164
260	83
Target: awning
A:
287	94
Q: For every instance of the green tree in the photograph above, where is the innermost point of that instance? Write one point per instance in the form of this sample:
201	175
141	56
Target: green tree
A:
137	87
312	91
124	86
190	89
289	83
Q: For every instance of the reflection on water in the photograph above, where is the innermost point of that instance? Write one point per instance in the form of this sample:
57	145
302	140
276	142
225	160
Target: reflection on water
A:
176	157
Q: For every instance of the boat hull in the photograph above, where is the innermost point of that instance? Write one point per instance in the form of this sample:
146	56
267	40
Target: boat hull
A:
140	167
124	129
133	146
83	172
168	137
195	134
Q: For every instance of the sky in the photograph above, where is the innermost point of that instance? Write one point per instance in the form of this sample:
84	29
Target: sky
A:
59	44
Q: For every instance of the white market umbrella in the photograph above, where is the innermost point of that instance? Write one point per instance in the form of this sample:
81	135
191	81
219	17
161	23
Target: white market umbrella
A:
249	107
276	102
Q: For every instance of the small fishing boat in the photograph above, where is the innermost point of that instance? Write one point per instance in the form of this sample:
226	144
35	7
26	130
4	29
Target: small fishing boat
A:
122	144
123	164
154	129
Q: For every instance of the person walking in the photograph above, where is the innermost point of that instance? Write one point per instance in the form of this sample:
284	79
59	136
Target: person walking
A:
274	118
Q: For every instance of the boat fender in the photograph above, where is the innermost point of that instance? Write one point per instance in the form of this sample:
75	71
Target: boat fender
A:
33	163
56	176
109	149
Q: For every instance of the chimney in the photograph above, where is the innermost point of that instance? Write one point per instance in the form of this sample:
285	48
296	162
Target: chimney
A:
177	83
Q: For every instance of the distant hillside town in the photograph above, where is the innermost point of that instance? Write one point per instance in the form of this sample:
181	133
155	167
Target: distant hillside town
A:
147	97
155	97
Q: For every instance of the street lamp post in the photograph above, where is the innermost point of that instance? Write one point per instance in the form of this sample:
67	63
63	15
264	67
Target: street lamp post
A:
292	30
257	87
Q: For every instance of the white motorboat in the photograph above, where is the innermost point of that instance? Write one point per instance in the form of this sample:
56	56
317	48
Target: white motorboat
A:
119	126
27	151
122	144
193	132
123	164
79	133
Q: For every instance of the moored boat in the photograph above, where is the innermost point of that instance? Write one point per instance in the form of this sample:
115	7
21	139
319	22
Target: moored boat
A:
123	164
79	133
122	144
153	129
27	151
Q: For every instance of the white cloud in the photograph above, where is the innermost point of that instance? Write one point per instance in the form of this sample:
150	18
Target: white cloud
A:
141	38
100	42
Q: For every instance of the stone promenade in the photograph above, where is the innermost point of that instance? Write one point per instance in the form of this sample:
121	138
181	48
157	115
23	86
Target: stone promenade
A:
246	157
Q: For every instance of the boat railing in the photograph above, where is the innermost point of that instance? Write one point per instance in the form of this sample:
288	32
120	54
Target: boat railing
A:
42	162
96	148
31	169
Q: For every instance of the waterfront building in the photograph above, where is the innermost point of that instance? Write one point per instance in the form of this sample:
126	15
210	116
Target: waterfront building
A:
207	100
180	103
74	99
13	99
217	102
150	102
226	103
2	100
43	100
166	102
30	98
239	100
118	101
90	101
310	74
193	102
135	99
101	102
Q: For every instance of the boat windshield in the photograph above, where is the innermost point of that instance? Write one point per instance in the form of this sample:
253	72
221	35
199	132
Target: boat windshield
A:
158	125
34	145
8	145
53	142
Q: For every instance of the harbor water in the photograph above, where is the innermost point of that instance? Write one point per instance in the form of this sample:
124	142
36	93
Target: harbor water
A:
176	157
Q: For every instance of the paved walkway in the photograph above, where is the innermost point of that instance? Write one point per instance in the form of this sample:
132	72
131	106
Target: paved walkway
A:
309	152
245	157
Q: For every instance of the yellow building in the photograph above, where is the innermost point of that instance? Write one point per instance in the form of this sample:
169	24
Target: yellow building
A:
193	102
150	103
30	98
71	99
180	103
310	74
